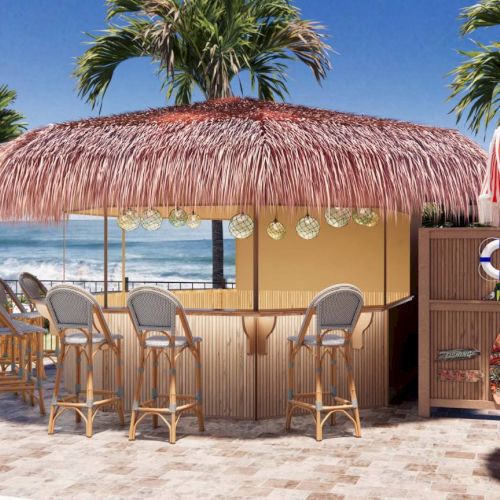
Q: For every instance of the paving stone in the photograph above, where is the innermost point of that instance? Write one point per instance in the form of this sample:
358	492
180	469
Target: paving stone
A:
399	456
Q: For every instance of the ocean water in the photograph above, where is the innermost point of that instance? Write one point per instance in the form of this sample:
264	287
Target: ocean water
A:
169	254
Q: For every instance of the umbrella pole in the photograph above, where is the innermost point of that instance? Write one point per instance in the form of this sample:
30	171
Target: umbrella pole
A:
124	245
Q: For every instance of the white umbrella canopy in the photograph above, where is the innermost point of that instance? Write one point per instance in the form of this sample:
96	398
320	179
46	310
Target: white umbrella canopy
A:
488	201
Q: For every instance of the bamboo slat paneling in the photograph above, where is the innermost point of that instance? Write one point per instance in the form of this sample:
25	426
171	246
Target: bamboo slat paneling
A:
453	315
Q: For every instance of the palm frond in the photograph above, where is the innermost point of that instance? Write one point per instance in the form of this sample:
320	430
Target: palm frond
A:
11	122
477	83
95	68
483	14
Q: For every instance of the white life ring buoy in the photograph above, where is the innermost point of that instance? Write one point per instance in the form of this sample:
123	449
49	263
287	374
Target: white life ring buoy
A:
485	259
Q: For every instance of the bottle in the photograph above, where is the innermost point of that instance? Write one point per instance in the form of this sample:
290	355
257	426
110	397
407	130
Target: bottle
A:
497	292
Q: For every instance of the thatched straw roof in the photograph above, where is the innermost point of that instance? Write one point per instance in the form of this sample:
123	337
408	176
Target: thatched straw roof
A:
238	152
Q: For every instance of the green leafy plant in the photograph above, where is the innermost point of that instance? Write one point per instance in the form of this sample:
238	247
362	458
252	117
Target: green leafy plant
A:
476	81
204	44
11	122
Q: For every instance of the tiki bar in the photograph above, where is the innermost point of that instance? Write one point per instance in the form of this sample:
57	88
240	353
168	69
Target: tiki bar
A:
314	198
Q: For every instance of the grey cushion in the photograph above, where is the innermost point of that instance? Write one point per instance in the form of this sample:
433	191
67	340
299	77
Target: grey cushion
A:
22	328
81	338
162	341
27	315
329	340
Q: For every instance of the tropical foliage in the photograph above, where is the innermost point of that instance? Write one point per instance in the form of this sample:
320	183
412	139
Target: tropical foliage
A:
204	44
477	80
11	122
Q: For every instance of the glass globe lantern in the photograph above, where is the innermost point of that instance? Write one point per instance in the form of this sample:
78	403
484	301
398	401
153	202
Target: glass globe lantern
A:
307	227
241	226
276	230
337	216
151	219
366	217
129	220
177	217
193	220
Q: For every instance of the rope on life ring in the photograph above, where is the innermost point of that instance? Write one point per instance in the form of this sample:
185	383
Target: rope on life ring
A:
485	264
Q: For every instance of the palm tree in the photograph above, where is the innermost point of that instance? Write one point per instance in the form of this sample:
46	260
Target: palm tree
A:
477	80
11	122
204	44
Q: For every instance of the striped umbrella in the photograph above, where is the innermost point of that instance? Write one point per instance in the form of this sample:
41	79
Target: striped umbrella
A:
489	200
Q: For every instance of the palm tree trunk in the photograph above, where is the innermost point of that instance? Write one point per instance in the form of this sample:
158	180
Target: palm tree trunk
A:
218	255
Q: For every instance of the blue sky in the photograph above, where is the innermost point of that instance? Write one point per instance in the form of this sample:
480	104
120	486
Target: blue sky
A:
391	59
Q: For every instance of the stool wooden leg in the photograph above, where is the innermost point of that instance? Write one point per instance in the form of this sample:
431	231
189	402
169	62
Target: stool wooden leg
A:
40	372
333	388
57	383
352	387
78	386
173	396
137	392
119	381
154	389
90	390
30	345
319	393
290	384
198	388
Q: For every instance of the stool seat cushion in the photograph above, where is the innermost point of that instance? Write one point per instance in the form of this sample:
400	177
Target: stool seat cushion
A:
162	341
28	315
81	338
329	340
22	329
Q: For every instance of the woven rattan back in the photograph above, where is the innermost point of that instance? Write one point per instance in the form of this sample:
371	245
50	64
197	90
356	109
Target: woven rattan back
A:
337	308
155	309
73	307
32	287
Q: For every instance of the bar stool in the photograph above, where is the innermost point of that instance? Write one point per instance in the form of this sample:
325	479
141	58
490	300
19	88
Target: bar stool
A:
72	308
337	308
20	377
34	290
10	301
154	310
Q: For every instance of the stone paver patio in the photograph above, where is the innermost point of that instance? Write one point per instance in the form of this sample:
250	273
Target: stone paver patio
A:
399	456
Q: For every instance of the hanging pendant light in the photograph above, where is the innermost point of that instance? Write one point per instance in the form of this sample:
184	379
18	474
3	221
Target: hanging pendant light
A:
241	226
365	217
129	220
177	217
193	220
307	227
337	216
276	230
151	219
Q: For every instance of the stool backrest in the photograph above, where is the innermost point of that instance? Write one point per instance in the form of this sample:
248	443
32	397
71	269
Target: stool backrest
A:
337	308
73	307
6	321
6	294
32	287
153	309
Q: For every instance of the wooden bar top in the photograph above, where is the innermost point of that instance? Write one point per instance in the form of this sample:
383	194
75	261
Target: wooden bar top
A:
261	312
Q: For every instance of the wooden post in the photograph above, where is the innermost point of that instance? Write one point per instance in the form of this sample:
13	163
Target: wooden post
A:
105	256
256	308
124	244
385	258
424	409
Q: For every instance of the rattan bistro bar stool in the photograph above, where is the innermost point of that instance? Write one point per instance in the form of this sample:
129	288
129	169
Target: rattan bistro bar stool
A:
337	309
81	325
33	290
11	302
154	310
19	379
